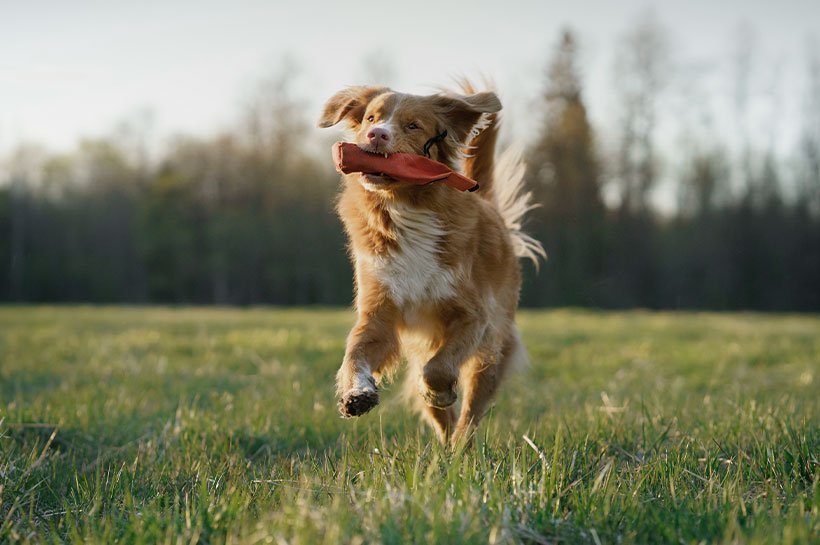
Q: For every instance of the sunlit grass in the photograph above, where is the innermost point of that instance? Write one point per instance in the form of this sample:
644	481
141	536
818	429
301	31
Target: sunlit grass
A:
200	425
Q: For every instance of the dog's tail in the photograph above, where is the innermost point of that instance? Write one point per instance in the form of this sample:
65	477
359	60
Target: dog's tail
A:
512	201
480	153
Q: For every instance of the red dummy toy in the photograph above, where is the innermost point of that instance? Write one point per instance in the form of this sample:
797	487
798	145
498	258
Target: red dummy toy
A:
405	167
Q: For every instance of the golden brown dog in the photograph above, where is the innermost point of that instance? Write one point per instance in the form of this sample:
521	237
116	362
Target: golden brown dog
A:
437	270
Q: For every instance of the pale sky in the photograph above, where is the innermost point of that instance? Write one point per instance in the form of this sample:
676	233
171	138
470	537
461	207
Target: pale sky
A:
72	69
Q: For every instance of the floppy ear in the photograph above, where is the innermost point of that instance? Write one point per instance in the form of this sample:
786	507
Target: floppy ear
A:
349	104
462	113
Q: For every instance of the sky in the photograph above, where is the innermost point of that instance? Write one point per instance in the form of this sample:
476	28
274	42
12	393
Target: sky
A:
75	69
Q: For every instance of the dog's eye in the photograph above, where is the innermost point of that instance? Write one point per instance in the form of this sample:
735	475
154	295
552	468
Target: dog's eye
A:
413	126
370	118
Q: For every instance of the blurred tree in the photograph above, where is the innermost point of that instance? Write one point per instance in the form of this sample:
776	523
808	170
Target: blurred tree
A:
742	67
806	218
566	183
642	66
274	124
809	147
701	189
24	168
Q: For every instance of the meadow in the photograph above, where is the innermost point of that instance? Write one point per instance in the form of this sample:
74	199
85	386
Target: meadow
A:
200	425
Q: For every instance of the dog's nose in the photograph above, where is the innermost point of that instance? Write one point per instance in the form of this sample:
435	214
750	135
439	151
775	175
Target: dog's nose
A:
378	136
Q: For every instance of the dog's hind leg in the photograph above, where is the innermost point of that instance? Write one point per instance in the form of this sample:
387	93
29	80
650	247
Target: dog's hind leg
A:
418	350
463	333
480	380
441	420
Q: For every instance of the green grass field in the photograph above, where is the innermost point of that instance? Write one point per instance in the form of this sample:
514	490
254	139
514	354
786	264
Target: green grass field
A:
185	426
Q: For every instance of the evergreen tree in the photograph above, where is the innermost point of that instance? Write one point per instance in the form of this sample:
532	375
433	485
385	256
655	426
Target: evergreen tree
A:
566	182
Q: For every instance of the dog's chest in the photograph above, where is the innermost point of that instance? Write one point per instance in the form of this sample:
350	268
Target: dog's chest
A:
412	272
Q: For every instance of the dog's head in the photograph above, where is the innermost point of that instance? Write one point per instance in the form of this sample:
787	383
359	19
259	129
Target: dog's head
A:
385	121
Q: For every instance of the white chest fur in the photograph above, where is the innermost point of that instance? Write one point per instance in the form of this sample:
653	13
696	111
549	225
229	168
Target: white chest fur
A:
413	272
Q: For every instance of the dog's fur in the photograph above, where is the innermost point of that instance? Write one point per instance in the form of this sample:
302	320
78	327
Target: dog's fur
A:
436	270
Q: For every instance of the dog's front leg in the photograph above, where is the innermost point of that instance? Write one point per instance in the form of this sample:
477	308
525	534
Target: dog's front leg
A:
371	346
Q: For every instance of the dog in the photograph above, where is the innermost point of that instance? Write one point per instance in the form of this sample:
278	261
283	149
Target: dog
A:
437	272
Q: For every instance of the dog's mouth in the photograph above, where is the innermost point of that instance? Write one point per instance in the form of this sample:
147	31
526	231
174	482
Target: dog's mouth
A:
379	178
376	177
374	151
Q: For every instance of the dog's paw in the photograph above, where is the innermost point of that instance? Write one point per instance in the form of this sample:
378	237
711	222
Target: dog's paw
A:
358	401
439	399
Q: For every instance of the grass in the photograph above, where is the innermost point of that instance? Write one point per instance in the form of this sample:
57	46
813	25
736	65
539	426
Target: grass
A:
137	425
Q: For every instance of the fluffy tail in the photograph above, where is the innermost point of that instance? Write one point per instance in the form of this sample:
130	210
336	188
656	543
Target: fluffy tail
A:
512	202
480	153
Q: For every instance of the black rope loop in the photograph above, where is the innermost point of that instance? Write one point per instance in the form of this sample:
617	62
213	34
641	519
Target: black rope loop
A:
434	140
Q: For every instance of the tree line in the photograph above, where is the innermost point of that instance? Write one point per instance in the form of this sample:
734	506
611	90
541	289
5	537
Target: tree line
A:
246	217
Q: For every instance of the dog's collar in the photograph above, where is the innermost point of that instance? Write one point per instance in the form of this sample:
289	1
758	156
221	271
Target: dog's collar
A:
434	140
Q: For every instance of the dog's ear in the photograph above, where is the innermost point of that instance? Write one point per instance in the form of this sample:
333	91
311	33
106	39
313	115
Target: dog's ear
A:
461	113
349	104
